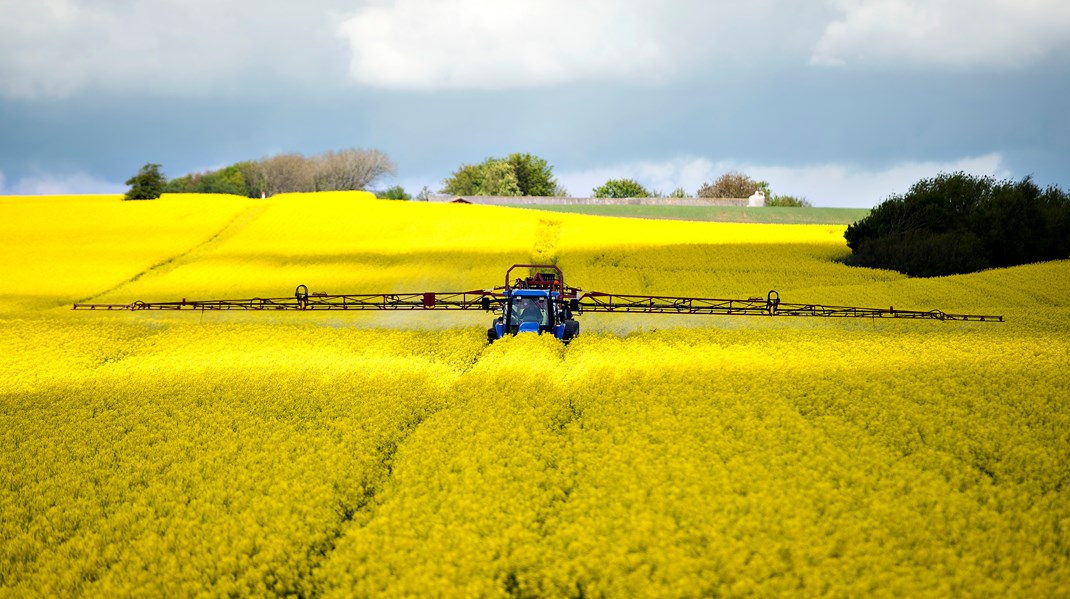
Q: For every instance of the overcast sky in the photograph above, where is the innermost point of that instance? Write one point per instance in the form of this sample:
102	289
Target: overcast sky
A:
841	101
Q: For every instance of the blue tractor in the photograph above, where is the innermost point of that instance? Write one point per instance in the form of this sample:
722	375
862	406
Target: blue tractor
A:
535	304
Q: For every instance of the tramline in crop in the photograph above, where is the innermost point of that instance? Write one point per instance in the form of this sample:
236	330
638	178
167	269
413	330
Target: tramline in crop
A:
542	303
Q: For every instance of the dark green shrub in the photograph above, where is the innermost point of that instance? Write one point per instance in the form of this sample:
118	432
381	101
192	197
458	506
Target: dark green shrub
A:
621	188
961	223
788	202
396	192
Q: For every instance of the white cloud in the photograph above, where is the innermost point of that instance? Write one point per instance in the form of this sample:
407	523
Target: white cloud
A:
487	44
831	185
56	48
61	184
492	44
945	33
59	48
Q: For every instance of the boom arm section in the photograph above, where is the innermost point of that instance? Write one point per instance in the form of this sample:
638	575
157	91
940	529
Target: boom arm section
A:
303	300
596	301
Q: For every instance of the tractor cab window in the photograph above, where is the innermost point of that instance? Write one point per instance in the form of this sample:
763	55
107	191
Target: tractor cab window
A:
529	309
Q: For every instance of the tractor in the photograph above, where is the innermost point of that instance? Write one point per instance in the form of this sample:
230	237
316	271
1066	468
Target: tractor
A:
534	304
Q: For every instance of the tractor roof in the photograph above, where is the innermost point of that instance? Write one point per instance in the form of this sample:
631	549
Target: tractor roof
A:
531	293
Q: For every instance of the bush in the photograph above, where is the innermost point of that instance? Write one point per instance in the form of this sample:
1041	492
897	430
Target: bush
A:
396	192
147	184
621	188
733	185
788	202
960	223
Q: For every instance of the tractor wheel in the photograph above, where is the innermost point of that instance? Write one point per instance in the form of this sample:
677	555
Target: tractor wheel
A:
572	329
492	335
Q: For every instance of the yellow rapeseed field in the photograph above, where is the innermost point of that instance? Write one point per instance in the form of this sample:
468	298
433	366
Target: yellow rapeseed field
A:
398	454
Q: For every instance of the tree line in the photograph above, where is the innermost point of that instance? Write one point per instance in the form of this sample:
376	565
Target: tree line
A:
733	185
335	170
518	174
528	175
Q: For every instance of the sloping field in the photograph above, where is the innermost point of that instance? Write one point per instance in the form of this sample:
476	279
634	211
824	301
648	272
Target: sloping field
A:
396	454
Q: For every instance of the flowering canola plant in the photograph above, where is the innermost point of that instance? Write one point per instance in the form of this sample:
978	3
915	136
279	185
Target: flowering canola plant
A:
265	454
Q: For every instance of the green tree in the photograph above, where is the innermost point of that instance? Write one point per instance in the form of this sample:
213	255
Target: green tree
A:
679	192
225	180
228	180
147	184
253	175
515	175
396	192
621	188
499	179
494	177
183	184
232	181
534	176
463	181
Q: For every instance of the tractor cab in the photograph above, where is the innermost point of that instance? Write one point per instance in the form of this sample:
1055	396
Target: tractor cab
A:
529	311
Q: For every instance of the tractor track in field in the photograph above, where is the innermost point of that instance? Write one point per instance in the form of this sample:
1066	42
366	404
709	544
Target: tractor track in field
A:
236	225
375	483
358	510
544	246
